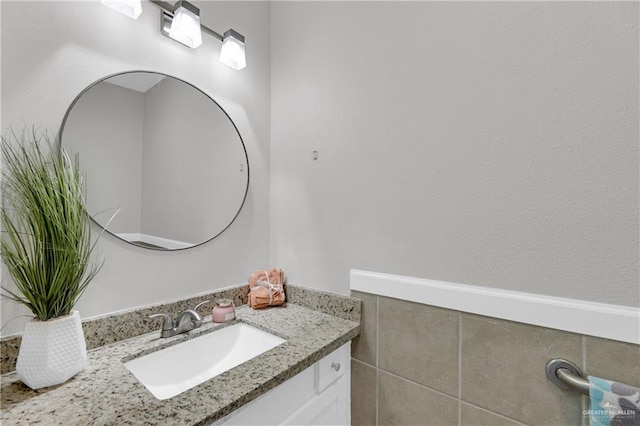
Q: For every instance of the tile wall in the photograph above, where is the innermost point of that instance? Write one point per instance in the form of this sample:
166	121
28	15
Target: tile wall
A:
416	364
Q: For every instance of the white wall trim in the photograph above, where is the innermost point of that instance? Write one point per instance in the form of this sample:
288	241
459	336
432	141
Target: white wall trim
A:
590	318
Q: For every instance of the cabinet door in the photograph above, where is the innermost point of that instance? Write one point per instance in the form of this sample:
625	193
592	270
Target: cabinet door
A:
275	405
320	395
326	408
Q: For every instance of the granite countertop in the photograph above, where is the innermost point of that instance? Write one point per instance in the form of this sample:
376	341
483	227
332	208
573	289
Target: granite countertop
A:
106	393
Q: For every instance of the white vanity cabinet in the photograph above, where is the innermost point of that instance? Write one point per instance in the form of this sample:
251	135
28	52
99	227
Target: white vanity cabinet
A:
320	395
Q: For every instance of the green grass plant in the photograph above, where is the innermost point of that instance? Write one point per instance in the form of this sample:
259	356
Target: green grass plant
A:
46	241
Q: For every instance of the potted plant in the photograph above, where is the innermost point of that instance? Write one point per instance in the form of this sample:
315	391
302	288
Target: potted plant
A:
47	248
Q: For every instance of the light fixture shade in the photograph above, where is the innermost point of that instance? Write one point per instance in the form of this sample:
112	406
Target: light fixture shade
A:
232	51
130	8
185	26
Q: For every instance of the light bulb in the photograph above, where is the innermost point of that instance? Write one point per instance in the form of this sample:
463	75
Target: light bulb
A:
185	26
232	51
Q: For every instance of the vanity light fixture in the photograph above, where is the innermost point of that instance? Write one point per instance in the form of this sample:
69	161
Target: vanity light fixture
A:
185	26
232	51
130	8
181	22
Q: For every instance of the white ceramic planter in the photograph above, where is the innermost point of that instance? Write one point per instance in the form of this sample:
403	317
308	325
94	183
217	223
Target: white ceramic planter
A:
51	351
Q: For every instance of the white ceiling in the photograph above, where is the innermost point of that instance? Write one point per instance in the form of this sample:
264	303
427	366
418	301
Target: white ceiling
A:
138	81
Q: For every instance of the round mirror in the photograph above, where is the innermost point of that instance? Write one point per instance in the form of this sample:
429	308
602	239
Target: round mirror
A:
164	153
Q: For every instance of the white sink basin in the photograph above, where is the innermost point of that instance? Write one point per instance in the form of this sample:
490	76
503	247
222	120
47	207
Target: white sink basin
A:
175	369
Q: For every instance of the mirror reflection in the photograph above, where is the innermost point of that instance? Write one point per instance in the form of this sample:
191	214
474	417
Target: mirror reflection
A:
164	153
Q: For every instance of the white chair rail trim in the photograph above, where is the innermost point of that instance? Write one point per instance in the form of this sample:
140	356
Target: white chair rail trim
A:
614	322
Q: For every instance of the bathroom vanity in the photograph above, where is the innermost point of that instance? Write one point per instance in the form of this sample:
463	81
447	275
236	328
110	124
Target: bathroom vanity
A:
319	395
305	380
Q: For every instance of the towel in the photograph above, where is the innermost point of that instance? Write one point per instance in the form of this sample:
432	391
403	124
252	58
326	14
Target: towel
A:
273	275
266	288
613	404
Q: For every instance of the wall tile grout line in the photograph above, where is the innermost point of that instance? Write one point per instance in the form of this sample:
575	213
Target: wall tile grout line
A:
418	384
459	368
585	400
493	412
365	363
377	361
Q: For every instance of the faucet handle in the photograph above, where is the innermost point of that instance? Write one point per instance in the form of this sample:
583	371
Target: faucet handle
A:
167	324
200	304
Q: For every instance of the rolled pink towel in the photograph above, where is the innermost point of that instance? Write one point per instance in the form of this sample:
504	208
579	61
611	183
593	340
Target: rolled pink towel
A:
273	276
266	288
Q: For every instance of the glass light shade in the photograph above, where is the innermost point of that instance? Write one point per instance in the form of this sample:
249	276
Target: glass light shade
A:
185	28
130	8
232	53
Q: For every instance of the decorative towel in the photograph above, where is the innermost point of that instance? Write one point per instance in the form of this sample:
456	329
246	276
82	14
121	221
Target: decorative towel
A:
274	276
613	404
266	288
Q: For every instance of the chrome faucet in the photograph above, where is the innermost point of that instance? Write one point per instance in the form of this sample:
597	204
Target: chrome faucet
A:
186	321
167	325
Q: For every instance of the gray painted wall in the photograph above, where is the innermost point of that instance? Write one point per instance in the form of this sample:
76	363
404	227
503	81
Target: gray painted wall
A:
191	178
485	143
107	121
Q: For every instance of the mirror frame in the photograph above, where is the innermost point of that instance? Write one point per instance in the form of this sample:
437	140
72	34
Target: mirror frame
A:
244	148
